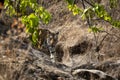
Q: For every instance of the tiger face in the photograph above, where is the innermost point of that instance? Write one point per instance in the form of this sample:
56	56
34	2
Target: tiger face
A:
47	41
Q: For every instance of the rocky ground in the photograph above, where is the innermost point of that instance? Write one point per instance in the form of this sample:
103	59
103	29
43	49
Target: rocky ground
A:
78	57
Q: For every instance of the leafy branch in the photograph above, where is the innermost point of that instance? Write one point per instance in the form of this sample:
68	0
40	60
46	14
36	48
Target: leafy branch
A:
30	19
95	10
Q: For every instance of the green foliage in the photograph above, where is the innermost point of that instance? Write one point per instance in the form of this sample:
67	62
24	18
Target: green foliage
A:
74	8
94	10
101	12
97	10
44	15
115	23
95	29
113	3
32	20
40	14
25	4
71	2
88	12
10	10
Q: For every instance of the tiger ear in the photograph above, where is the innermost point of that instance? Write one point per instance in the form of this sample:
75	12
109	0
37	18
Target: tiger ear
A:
57	33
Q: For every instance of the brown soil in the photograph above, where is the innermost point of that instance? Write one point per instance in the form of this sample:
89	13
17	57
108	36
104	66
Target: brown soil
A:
78	57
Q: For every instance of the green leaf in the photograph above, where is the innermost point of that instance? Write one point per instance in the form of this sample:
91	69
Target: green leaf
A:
101	12
113	3
116	23
35	36
45	16
70	1
75	9
95	29
86	13
34	20
107	18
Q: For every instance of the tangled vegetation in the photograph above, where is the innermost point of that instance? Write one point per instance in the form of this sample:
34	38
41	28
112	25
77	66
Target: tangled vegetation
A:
39	14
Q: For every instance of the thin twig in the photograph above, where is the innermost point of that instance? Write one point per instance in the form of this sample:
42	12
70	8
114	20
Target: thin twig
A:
111	34
88	20
89	24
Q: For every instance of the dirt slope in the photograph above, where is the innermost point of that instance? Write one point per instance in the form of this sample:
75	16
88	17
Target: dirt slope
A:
78	57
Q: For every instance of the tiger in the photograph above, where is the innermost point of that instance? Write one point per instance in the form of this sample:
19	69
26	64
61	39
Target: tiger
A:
47	41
